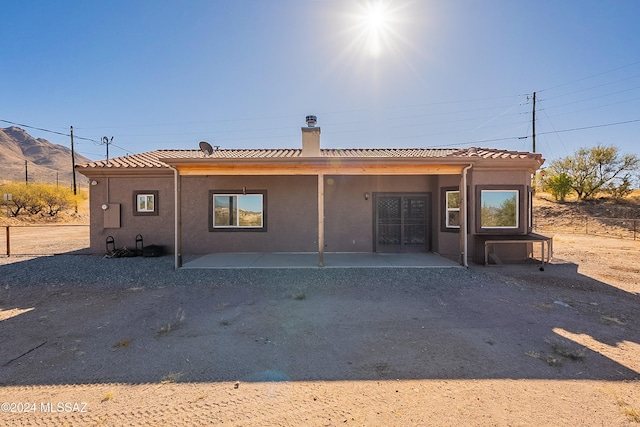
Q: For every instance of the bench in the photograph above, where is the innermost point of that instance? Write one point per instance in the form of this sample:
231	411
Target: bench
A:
492	240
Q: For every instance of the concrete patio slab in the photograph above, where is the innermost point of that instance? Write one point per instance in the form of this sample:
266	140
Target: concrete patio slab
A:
310	260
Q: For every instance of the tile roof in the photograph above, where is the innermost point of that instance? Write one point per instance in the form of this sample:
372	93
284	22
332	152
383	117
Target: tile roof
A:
152	159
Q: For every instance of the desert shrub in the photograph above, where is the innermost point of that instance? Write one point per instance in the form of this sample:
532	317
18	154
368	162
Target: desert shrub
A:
620	191
20	197
56	199
39	198
559	186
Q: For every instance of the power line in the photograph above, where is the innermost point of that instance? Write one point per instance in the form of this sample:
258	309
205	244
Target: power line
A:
590	108
47	130
596	97
34	127
538	133
553	127
323	113
590	77
591	127
594	87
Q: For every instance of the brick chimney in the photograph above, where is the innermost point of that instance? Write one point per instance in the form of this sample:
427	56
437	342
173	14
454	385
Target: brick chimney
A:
311	138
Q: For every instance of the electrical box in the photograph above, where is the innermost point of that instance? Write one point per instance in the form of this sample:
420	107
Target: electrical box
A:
111	215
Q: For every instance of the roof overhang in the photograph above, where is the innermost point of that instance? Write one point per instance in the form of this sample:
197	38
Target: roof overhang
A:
317	166
124	172
326	165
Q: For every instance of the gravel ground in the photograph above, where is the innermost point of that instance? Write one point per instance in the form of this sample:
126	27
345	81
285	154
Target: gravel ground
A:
124	273
143	344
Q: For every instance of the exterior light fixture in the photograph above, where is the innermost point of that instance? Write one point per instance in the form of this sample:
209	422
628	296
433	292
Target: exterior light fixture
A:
366	196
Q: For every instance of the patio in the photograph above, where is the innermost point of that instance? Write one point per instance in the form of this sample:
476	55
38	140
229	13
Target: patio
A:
310	260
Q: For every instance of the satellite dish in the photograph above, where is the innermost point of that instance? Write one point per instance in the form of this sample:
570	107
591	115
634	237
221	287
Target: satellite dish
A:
206	148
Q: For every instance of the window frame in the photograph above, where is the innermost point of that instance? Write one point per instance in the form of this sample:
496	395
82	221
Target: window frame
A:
521	224
136	196
444	223
530	209
236	228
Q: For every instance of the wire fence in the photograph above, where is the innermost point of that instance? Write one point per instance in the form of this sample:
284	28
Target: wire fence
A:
44	239
621	228
74	238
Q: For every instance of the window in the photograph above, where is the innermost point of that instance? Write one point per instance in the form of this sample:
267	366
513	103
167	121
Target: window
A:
145	202
450	209
530	210
499	208
452	206
236	211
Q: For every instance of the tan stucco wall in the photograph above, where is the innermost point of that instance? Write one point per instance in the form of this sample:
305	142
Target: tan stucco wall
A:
292	212
349	217
157	230
448	241
292	215
292	218
490	177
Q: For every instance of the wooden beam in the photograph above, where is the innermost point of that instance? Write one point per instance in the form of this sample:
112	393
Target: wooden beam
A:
332	168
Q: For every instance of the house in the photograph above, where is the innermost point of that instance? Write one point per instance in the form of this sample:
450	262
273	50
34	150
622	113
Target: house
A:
311	199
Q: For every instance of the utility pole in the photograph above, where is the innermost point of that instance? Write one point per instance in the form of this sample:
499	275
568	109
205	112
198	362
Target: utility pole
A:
106	141
26	174
73	163
533	123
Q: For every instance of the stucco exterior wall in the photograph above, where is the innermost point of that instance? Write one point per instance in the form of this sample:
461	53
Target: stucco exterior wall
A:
291	215
515	179
156	229
291	212
349	216
448	240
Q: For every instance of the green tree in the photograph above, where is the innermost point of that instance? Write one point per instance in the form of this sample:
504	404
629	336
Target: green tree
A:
35	192
56	199
21	197
559	185
620	191
596	169
37	198
506	214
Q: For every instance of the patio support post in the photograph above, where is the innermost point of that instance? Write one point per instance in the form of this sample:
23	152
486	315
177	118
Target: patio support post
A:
178	219
464	211
320	220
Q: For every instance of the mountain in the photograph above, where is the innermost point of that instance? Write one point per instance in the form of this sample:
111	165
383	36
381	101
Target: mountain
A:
46	162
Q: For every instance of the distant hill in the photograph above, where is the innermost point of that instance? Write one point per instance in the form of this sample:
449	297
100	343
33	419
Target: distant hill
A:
46	162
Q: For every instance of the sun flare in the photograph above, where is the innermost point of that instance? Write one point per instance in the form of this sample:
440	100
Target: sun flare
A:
375	22
375	16
377	35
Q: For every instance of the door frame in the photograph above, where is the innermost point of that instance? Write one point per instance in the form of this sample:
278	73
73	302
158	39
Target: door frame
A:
428	220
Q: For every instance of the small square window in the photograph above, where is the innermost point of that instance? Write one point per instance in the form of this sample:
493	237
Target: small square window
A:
145	203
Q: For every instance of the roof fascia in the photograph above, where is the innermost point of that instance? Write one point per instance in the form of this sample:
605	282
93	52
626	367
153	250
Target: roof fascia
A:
318	166
530	164
126	172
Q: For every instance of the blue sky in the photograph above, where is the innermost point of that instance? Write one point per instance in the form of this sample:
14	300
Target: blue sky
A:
244	74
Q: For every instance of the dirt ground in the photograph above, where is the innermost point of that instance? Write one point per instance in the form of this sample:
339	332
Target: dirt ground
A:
499	345
488	346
